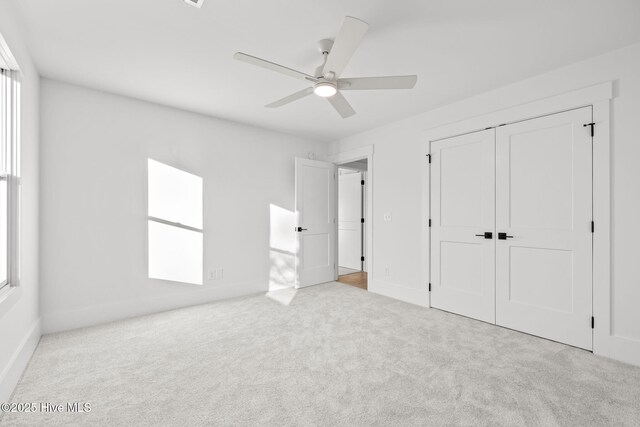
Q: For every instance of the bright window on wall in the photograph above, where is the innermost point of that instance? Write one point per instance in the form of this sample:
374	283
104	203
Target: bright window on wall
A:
9	177
175	224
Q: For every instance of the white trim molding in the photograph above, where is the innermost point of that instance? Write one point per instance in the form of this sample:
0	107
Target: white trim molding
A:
411	295
605	342
7	60
11	375
112	312
541	107
9	295
10	174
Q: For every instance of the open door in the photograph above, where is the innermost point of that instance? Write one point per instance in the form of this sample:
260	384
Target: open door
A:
315	222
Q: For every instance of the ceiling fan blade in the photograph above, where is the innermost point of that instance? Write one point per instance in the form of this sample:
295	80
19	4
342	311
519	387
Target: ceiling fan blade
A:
371	83
341	105
272	66
348	39
291	98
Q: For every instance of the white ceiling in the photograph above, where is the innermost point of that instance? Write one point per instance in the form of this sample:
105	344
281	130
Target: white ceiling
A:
167	52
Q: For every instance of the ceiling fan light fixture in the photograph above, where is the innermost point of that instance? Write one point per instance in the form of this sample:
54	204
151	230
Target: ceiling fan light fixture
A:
325	89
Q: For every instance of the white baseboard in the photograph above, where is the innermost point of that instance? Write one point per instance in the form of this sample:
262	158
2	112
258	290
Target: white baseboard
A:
626	350
13	371
623	349
400	292
99	314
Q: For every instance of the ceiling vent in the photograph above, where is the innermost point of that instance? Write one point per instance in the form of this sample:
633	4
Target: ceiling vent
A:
196	3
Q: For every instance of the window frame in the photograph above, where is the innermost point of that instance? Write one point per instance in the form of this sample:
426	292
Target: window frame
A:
10	163
174	224
5	178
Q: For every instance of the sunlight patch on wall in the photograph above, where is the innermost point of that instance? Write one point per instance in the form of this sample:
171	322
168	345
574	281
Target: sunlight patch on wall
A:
175	244
282	242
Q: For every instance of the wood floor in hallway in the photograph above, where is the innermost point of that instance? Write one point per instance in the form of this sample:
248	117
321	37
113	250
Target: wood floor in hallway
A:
358	280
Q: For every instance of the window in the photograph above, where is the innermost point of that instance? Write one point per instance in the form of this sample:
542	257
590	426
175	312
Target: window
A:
9	177
174	224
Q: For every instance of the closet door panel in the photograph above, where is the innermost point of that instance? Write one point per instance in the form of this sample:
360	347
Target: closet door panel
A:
543	205
462	210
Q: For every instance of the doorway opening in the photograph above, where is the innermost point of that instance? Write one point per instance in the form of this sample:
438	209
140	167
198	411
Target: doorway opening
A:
352	216
316	206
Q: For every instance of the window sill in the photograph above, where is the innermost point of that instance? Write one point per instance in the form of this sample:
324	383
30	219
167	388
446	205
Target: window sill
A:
8	297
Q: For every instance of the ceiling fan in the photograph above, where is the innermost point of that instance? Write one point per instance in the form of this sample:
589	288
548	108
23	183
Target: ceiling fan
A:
326	79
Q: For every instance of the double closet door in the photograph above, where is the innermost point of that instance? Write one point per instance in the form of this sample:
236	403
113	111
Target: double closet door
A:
511	236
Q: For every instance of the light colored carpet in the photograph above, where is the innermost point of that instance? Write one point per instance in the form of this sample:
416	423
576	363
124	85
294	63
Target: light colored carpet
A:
325	355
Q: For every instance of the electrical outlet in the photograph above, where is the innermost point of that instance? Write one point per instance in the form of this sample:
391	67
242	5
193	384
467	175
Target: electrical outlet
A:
216	274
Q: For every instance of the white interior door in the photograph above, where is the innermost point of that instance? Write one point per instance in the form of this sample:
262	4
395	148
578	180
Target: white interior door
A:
349	220
462	210
315	198
544	205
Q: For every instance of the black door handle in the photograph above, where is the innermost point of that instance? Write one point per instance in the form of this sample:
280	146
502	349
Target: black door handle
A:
300	229
486	235
504	236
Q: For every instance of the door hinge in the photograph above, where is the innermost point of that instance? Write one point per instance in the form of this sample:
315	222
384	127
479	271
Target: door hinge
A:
593	227
362	220
429	287
593	322
362	182
429	222
361	258
593	128
429	157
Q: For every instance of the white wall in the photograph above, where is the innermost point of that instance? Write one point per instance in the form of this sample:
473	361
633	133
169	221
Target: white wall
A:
20	325
94	251
397	181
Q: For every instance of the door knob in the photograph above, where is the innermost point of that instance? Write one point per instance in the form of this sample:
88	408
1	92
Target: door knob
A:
504	236
300	229
486	235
